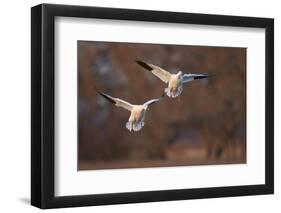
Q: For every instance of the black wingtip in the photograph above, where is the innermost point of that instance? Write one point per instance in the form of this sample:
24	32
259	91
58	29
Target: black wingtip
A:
202	76
144	65
106	97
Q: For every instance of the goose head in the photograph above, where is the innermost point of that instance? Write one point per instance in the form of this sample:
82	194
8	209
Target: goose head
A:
179	74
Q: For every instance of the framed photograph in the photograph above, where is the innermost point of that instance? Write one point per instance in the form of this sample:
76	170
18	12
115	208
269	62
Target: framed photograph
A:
139	106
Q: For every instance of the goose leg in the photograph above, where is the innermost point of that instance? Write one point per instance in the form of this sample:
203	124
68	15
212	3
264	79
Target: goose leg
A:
129	126
177	91
168	91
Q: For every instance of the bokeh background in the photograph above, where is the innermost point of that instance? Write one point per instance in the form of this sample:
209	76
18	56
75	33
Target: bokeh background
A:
205	125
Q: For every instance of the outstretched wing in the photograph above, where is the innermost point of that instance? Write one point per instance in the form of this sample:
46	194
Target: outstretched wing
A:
190	77
157	71
117	102
152	101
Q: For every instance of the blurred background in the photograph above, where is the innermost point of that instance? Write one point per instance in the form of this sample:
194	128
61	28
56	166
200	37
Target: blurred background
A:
205	125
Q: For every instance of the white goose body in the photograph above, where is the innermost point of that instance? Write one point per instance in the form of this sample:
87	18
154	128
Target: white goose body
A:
175	85
136	119
174	82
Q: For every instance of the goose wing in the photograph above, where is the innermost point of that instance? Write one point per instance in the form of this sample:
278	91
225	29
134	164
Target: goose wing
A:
157	71
152	101
117	101
190	77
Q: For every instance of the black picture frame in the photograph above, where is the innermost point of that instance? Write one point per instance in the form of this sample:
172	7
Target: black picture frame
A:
43	102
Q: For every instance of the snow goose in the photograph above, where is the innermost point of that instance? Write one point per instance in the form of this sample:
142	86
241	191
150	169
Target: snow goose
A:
136	119
175	81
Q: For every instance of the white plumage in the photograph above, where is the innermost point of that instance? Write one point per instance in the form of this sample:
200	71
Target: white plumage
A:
136	119
174	81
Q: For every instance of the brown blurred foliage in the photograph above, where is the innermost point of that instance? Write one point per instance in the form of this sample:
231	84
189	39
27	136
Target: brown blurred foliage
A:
205	125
